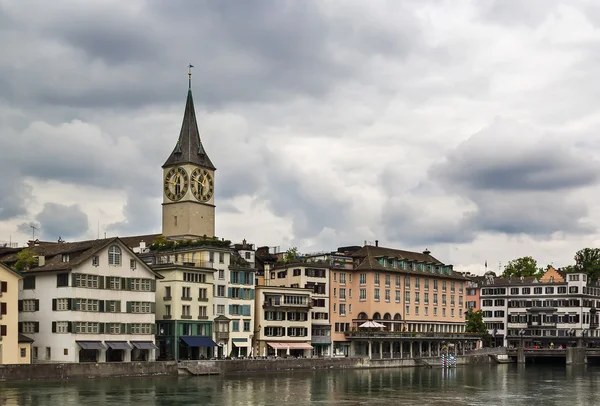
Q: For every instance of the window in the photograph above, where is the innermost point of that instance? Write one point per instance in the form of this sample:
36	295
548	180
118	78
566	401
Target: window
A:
62	280
185	311
387	295
114	283
186	293
86	305
435	299
407	282
141	328
95	260
443	312
221	257
417	283
443	300
221	274
202	294
387	280
48	353
86	281
363	295
342	279
29	305
62	327
426	287
417	298
246	325
377	295
62	305
65	257
342	293
407	310
407	297
363	278
426	299
342	309
220	309
435	285
537	291
376	278
114	255
397	296
416	310
443	286
139	307
141	285
30	327
132	264
29	282
397	281
202	311
168	310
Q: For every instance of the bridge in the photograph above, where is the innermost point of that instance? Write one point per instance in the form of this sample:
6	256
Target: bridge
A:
572	355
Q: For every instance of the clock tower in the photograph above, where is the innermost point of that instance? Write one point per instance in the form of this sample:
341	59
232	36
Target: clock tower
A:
188	208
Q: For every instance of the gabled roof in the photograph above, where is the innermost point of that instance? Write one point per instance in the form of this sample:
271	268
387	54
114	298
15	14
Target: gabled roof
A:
189	148
9	269
378	252
25	339
134	240
79	252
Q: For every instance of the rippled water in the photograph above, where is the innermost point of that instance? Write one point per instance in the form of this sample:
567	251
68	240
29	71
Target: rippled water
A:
509	385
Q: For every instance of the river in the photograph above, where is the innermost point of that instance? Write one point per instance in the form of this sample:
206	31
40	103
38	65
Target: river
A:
509	385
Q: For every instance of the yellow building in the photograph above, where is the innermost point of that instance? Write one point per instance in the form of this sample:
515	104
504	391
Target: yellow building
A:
14	347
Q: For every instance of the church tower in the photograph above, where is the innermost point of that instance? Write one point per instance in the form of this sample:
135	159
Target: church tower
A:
188	183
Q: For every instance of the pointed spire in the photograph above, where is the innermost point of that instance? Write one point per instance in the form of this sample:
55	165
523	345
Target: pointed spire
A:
189	148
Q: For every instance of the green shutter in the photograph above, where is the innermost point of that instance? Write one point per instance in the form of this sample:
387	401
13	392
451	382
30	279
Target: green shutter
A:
229	293
129	328
54	304
54	327
123	328
128	283
107	282
230	309
37	305
101	328
128	307
153	329
100	282
73	279
252	294
118	306
37	327
153	285
70	304
70	327
101	306
153	308
123	283
242	293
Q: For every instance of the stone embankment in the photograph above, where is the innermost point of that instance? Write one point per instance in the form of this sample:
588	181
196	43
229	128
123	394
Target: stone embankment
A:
212	367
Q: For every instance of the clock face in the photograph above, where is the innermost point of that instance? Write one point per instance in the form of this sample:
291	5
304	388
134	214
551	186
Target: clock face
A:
202	184
176	183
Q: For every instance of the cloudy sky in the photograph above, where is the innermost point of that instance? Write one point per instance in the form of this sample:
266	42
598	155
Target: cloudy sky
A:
468	127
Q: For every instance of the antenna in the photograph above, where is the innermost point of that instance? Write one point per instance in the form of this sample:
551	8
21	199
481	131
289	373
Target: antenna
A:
98	229
33	228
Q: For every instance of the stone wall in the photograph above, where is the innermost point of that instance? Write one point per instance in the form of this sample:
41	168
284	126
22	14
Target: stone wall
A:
85	370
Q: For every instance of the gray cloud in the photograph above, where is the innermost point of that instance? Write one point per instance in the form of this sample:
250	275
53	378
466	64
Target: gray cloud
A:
61	221
15	193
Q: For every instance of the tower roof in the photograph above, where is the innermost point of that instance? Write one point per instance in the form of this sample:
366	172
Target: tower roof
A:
189	148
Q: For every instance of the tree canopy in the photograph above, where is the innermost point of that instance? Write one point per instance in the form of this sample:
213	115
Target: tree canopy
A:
524	266
25	260
475	323
290	255
587	261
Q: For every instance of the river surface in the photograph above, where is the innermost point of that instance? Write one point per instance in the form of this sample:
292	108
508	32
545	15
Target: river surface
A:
509	385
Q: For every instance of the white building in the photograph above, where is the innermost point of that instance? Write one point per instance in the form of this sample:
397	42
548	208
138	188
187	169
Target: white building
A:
88	301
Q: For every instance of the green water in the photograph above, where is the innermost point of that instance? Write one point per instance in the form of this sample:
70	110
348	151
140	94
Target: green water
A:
509	385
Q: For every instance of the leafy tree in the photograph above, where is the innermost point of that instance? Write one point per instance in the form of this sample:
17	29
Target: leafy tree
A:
568	269
525	266
25	260
290	255
475	324
587	261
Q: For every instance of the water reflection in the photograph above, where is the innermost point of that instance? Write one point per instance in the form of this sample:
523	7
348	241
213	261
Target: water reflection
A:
477	385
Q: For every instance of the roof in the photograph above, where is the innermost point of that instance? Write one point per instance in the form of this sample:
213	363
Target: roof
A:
376	252
134	240
368	261
78	253
189	148
25	339
9	269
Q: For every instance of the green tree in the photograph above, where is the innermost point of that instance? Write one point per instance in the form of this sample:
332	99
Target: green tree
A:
475	324
290	255
25	260
587	261
524	266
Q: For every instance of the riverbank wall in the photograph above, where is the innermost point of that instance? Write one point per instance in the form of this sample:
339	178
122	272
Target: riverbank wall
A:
209	367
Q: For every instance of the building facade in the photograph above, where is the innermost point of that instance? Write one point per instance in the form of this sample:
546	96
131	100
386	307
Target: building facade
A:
90	301
14	347
557	308
283	321
314	276
404	291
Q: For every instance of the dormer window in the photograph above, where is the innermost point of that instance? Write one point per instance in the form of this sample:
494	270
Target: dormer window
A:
114	255
66	257
132	264
95	260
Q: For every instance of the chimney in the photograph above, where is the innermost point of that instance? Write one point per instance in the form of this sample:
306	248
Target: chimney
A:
244	243
426	252
377	243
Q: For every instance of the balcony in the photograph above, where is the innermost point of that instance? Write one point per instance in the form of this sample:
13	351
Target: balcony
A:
163	260
593	325
203	299
365	334
222	335
186	298
270	305
202	317
167	317
186	316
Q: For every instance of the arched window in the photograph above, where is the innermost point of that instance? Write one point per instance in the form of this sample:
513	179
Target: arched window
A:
362	316
397	316
387	316
114	255
377	316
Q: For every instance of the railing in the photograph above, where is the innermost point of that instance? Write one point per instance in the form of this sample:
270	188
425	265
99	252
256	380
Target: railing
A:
272	305
167	298
186	316
222	335
203	299
167	317
197	264
405	334
187	298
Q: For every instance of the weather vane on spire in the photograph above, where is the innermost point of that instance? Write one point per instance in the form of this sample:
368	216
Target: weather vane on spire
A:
190	66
